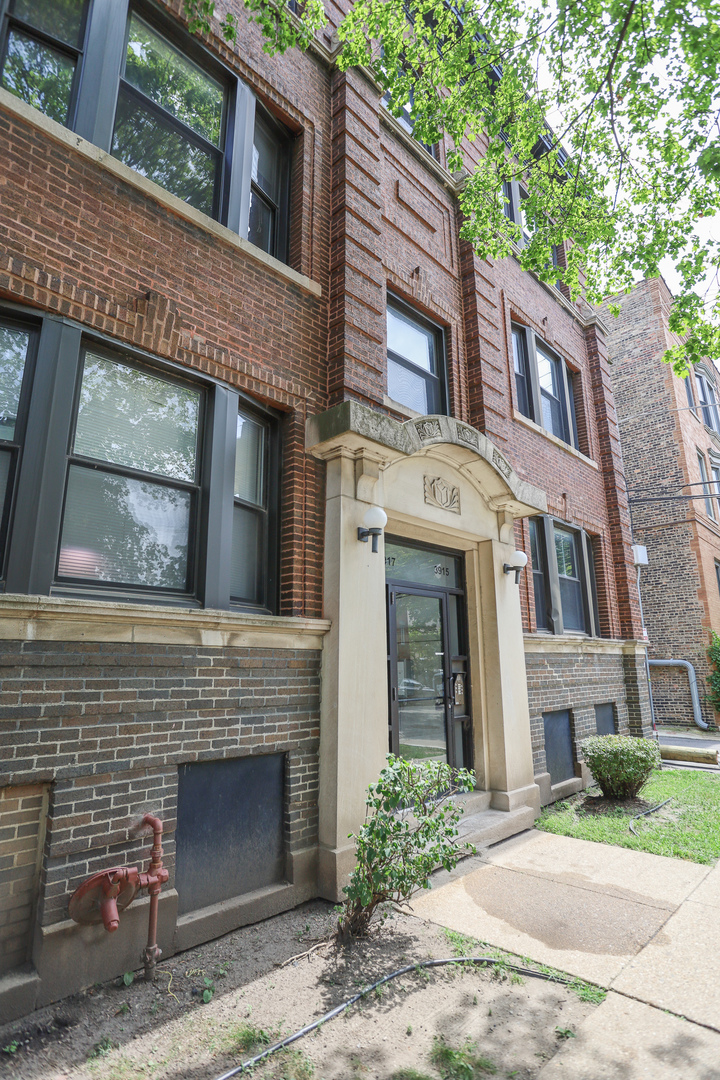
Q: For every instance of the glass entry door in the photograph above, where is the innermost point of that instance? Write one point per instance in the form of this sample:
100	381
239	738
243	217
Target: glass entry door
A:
427	659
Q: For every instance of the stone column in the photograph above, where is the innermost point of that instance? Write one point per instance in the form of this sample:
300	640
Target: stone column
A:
354	709
507	720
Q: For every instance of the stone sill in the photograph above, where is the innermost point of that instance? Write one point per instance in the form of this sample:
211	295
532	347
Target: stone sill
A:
47	618
575	644
554	439
63	135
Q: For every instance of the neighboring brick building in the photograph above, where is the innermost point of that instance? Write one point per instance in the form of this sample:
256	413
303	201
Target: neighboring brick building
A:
194	425
670	429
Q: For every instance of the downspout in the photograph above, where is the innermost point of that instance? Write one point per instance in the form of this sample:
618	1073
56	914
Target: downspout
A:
692	678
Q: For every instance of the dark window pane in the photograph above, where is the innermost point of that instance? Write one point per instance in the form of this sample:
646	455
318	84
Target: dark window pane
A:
38	74
571	596
161	72
565	553
62	19
266	161
261	225
422	566
521	379
137	420
123	530
572	605
408	387
4	473
147	143
249	460
537	561
13	351
689	393
245	556
410	340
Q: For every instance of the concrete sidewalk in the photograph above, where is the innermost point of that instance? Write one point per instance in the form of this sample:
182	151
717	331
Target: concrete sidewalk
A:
645	927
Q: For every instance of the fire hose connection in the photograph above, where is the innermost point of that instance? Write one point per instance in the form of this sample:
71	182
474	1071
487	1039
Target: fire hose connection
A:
103	896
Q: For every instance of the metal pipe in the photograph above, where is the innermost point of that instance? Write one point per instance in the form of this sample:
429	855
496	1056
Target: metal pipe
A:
647	656
692	679
154	883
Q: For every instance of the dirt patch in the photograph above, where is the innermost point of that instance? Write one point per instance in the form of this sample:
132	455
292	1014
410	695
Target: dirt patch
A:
165	1030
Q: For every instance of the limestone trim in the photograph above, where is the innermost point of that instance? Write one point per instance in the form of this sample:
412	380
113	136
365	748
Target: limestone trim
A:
553	439
9	103
563	644
354	428
48	618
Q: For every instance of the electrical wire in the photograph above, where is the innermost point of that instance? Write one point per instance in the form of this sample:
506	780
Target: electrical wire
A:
646	812
548	976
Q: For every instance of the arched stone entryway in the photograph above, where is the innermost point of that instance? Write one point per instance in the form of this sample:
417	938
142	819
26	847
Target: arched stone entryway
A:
443	485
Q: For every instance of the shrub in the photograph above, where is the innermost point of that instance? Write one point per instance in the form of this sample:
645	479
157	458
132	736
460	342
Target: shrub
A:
714	676
620	764
410	829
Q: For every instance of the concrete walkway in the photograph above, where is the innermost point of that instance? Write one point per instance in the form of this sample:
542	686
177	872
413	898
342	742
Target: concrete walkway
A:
645	927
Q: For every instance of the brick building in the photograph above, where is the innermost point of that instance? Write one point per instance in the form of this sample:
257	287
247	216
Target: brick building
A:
670	430
237	315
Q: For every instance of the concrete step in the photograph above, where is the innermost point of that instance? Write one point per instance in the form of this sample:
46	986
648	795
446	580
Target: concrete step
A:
490	826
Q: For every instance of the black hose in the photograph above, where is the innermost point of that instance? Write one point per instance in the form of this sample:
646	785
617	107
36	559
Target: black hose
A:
386	978
645	814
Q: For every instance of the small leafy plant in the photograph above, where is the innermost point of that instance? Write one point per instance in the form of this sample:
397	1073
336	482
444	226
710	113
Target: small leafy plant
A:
620	764
128	978
208	990
459	1064
410	829
714	676
102	1048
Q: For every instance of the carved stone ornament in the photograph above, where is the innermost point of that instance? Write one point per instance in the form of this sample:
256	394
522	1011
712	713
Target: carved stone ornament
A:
428	429
468	436
500	463
439	493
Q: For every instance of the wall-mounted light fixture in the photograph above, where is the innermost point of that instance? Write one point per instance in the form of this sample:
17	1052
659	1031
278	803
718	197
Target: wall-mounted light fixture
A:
519	563
374	521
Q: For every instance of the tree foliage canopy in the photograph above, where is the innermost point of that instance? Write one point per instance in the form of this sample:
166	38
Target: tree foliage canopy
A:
631	163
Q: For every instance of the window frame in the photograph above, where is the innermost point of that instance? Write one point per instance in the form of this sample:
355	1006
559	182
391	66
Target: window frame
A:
706	487
707	402
16	447
533	344
40	486
96	89
440	380
545	533
75	460
77	52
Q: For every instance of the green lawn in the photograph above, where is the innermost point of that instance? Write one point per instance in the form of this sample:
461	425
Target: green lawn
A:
687	828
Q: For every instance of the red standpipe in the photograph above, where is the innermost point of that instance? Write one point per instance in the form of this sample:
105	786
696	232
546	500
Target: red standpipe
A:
102	896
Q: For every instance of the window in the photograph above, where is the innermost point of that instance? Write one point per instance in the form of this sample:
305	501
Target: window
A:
563	578
717	573
545	386
416	361
689	393
407	121
131	480
269	188
707	491
43	53
707	401
250	538
174	115
15	348
538	562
